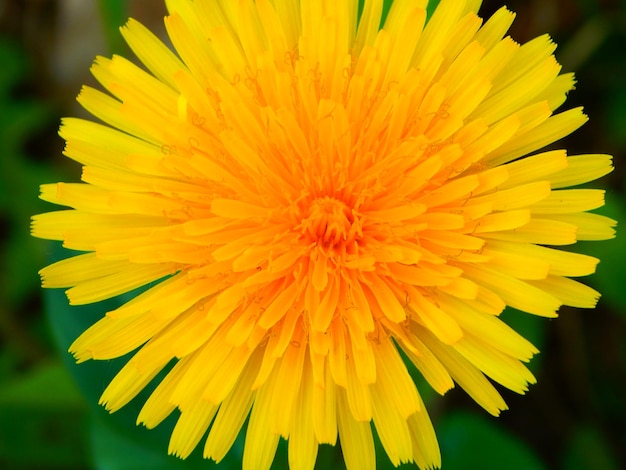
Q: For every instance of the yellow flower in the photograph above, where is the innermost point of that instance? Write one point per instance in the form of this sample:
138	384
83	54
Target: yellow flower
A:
313	194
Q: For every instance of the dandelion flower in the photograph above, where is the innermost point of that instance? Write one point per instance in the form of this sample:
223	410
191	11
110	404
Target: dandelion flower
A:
315	196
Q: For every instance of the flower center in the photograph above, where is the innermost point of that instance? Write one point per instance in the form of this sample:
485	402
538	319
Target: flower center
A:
329	222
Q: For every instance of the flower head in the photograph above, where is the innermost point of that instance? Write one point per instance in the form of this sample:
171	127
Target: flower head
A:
314	194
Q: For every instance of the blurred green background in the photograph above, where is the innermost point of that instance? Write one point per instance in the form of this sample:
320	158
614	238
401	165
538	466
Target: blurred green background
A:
573	419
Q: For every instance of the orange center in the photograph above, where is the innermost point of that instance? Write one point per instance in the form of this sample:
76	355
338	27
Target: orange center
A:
329	222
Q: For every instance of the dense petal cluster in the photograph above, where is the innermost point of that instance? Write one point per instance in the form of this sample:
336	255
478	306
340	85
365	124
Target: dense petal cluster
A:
320	199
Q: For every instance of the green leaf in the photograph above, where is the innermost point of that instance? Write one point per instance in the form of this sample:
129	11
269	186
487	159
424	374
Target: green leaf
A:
115	449
432	6
42	410
59	389
330	457
470	441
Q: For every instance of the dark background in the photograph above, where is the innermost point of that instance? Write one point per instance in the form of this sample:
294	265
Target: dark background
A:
574	418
